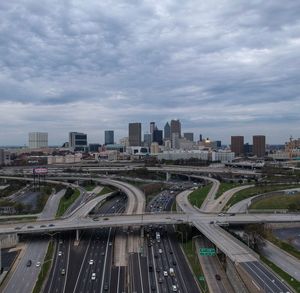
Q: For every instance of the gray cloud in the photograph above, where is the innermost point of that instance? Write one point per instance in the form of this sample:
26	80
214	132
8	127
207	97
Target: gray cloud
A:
91	65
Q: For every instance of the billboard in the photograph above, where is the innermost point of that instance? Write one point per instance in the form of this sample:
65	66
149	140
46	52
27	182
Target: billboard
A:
40	171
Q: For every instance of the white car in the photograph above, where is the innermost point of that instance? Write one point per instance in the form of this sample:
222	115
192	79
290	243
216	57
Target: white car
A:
93	276
59	253
174	288
165	274
91	261
160	250
221	215
38	264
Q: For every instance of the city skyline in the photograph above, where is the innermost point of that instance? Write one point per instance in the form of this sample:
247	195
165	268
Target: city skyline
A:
88	66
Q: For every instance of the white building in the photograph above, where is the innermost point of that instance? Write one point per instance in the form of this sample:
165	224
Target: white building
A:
67	159
37	140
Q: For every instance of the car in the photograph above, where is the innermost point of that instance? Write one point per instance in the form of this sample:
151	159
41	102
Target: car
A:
158	269
106	286
60	241
110	244
232	214
156	255
63	272
221	215
160	250
150	268
42	226
91	261
51	225
38	264
218	277
102	253
174	288
171	252
59	253
165	273
211	222
93	276
29	227
105	219
174	262
160	280
17	228
29	262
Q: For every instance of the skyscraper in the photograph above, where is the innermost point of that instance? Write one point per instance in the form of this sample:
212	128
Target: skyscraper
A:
189	136
167	131
37	140
259	145
78	141
135	134
237	145
147	139
157	136
108	137
152	127
175	127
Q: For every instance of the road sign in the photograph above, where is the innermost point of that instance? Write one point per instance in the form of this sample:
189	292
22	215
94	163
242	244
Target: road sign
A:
208	251
40	171
201	278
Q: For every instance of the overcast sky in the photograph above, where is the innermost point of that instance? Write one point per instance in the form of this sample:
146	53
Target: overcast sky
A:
222	67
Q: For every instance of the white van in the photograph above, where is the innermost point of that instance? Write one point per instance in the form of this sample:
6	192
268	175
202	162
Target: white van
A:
171	271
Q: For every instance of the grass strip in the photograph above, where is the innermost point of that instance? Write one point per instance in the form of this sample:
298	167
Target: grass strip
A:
105	189
65	203
283	275
44	269
280	201
192	257
259	189
283	245
225	186
198	196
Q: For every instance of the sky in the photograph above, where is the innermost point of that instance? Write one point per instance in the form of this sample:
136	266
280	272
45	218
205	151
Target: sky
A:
223	67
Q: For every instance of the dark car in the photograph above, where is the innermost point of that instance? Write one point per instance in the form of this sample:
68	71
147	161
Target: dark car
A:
218	277
106	286
51	225
153	287
29	262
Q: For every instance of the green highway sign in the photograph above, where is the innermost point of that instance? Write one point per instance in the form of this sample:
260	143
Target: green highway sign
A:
207	251
201	278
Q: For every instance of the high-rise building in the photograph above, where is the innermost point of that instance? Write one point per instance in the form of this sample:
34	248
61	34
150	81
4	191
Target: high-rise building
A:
200	137
175	127
175	140
37	140
152	127
78	141
1	157
259	145
147	139
237	145
167	131
189	136
135	134
157	136
109	137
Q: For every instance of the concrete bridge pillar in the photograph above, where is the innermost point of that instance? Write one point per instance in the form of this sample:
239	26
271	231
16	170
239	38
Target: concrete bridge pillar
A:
168	176
77	236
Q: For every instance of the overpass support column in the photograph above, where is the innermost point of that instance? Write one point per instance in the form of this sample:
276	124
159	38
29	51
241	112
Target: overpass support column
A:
168	176
77	235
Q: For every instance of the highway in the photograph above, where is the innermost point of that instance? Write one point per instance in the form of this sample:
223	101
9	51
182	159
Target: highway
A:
211	267
93	254
237	251
24	277
279	257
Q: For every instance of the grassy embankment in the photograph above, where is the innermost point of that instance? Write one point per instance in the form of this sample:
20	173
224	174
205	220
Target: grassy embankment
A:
66	201
106	189
259	189
225	186
282	201
198	196
282	274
